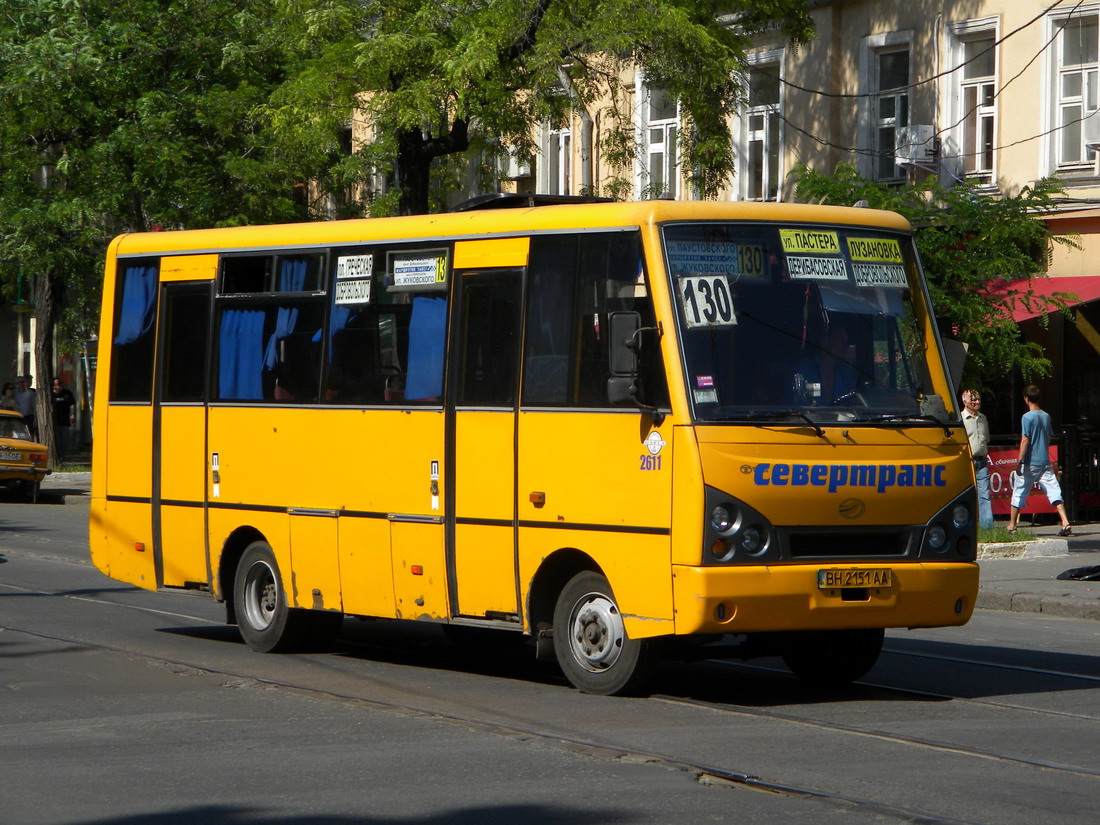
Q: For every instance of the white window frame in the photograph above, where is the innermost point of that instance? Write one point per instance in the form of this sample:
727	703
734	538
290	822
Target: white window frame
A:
670	129
772	132
556	170
962	153
1060	105
867	141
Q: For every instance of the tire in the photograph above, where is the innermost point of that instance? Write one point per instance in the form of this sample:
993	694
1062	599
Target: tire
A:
832	658
266	622
590	640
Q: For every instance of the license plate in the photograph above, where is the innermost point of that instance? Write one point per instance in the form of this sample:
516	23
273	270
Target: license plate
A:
13	458
855	577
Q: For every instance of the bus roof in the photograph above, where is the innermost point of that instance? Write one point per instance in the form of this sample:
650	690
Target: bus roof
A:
493	223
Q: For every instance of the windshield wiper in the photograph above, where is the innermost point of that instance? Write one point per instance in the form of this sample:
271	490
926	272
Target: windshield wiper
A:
779	415
900	417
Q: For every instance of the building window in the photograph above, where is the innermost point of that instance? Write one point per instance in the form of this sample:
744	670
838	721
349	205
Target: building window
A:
979	109
761	146
890	102
661	124
1076	88
558	154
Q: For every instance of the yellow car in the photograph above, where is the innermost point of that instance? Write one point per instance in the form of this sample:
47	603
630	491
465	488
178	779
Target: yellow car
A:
23	461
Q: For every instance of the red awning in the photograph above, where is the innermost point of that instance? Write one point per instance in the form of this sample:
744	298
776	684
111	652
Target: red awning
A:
1085	287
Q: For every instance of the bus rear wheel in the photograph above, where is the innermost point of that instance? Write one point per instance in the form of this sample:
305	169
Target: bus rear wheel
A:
832	658
590	640
266	622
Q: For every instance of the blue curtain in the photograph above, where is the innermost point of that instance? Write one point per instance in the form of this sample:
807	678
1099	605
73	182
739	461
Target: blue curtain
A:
139	294
292	275
284	326
427	329
240	355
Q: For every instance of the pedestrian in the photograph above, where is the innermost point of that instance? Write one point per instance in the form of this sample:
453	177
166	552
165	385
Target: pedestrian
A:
1034	462
64	416
7	401
977	430
25	399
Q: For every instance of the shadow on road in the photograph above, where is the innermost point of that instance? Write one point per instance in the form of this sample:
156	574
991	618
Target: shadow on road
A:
483	815
939	670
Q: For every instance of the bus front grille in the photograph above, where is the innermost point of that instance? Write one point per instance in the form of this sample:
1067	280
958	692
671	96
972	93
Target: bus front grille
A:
848	544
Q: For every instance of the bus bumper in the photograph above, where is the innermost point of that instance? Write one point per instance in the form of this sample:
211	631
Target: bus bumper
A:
787	597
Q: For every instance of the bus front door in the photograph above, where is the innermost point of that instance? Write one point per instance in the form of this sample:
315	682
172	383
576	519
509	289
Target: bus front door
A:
481	488
179	426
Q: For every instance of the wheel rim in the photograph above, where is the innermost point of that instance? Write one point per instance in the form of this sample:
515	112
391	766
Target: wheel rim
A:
596	632
261	595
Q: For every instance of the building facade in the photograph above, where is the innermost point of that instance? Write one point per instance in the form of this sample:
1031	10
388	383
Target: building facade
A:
1000	93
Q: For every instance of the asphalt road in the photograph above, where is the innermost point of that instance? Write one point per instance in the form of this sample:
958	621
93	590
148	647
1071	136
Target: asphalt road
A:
122	706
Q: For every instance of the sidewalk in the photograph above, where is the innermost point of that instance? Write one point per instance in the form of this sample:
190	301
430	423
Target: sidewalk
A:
1030	583
65	488
1027	583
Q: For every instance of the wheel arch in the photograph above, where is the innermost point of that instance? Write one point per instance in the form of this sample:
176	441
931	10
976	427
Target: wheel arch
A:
549	580
232	550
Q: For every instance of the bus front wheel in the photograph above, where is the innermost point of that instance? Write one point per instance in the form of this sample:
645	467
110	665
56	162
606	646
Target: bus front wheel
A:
590	640
832	658
266	622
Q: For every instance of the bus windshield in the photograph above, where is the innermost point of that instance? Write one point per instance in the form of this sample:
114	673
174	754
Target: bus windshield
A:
801	322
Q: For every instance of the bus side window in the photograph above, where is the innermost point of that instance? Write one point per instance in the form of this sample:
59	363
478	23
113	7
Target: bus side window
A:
575	283
269	352
489	347
547	372
135	332
388	349
269	327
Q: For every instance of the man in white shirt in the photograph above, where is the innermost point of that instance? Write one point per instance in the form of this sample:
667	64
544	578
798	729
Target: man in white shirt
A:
977	430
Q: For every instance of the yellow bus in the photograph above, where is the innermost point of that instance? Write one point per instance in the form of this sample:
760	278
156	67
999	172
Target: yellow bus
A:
611	427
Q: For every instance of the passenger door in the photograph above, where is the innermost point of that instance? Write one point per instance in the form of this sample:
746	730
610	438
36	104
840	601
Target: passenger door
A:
179	422
481	427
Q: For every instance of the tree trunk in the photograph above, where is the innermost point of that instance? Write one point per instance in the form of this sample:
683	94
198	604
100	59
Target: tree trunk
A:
45	318
415	153
413	173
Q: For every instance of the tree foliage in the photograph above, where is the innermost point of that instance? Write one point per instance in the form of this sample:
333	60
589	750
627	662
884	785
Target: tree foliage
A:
440	77
971	244
126	115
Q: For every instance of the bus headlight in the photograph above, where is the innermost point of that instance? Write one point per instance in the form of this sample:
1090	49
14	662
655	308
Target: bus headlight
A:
954	527
752	540
937	537
960	516
735	533
721	518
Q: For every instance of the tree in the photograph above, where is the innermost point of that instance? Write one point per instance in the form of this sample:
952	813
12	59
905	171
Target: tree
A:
968	242
439	77
128	116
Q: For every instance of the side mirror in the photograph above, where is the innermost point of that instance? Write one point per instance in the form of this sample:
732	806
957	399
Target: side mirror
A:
955	353
624	343
622	389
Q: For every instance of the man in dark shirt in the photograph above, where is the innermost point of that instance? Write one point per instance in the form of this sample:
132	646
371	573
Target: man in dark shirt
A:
64	416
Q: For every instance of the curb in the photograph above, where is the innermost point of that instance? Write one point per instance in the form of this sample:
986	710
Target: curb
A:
1067	606
1024	549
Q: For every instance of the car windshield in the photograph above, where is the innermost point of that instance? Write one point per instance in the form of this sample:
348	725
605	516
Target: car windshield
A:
12	427
799	322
